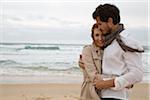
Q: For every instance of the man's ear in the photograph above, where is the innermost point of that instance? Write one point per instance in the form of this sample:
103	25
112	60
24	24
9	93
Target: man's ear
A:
110	20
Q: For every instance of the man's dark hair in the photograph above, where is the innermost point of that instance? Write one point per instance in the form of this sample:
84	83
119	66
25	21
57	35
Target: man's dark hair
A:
107	11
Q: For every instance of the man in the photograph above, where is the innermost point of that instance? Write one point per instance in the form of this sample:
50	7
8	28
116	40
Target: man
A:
121	64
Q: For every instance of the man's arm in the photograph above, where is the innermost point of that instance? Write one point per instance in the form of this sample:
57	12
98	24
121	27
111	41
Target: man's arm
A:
134	64
104	84
101	84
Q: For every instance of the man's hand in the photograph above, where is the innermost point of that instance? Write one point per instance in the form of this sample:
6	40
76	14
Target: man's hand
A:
81	63
129	86
104	84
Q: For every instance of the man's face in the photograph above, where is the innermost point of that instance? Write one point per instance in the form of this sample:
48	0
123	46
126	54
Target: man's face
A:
103	26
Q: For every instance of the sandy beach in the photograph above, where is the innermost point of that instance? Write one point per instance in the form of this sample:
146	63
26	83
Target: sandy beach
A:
58	92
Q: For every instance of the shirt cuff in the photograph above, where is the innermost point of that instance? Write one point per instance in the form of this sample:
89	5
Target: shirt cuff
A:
120	83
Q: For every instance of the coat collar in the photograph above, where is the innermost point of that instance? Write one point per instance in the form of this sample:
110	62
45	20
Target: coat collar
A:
95	48
96	51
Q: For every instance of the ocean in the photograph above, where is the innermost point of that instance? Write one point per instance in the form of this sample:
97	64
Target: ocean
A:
25	62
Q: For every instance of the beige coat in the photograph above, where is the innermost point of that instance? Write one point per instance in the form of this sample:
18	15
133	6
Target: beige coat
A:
91	56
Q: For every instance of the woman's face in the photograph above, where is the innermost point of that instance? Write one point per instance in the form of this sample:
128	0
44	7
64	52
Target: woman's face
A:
98	37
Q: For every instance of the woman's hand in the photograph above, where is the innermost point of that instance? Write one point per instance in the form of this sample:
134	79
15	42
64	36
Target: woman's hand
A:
81	63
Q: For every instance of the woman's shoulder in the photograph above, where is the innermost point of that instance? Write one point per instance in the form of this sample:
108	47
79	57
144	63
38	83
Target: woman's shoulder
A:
87	48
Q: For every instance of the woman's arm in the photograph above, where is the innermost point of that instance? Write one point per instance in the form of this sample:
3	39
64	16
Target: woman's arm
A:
88	63
80	62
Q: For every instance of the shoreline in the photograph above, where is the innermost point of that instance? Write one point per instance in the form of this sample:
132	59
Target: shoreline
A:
51	79
47	79
59	91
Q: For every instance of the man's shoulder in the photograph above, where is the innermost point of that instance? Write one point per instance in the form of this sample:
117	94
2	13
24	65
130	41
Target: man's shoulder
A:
126	35
131	42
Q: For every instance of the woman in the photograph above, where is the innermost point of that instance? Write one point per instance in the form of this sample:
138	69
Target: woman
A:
91	56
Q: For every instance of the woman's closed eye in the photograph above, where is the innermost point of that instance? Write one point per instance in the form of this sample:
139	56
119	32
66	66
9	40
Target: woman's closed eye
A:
96	34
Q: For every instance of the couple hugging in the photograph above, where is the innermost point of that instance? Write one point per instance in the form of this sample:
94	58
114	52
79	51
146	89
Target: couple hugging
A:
112	64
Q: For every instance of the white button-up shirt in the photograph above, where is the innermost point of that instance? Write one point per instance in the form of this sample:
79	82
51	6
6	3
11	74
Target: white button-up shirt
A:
125	66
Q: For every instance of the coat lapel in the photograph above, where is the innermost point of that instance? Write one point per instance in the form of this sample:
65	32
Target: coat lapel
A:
97	56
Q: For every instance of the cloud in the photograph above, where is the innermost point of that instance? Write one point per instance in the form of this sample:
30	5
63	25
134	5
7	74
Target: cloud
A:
38	22
140	34
46	21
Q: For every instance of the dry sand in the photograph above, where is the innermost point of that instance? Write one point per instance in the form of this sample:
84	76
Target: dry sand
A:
58	92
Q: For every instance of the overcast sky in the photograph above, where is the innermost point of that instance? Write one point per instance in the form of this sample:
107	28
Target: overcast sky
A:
55	21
